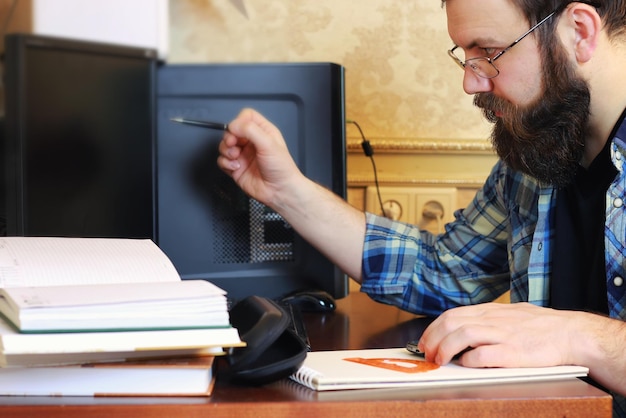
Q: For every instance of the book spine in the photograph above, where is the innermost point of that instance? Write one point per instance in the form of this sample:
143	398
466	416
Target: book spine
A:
306	376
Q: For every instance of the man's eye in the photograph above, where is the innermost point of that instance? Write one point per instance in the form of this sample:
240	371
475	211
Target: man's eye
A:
489	51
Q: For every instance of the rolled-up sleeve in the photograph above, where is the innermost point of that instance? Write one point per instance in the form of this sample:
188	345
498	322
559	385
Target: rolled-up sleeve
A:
428	274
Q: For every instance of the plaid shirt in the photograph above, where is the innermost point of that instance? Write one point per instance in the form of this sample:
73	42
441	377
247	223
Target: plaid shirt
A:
501	241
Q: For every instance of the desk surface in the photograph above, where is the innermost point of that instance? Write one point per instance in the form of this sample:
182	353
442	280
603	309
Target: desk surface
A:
357	323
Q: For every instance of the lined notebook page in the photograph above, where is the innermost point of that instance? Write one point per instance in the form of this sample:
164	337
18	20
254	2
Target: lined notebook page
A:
50	261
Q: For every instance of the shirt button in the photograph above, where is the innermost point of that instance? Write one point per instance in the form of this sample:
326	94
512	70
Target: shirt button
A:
618	203
618	281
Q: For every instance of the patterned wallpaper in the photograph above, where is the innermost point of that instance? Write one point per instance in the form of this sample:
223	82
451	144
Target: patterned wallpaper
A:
400	83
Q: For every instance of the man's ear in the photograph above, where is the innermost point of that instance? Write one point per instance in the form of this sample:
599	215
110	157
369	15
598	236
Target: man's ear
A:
586	25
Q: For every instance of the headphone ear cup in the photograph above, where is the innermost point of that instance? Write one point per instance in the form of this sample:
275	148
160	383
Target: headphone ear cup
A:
281	359
272	350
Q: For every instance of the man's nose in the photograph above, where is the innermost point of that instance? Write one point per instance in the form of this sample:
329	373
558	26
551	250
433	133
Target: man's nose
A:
472	83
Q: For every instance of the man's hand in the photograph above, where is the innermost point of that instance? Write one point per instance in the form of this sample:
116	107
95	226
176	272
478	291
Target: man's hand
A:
501	335
254	153
525	335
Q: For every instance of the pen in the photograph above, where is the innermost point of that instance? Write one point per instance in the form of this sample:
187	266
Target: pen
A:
202	123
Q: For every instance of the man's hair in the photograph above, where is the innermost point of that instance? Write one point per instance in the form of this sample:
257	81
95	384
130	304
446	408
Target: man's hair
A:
612	12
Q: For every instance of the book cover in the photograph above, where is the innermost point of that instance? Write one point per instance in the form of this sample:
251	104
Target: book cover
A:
174	377
65	359
63	348
396	367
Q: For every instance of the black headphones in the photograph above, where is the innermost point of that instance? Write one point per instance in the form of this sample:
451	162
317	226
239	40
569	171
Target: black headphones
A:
273	350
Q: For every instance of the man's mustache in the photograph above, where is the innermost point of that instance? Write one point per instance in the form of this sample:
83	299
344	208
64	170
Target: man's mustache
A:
489	104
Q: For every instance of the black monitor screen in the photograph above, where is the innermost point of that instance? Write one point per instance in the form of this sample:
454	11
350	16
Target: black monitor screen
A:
79	143
207	226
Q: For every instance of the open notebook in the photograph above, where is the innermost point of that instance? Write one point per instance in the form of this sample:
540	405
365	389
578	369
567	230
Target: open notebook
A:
396	367
60	284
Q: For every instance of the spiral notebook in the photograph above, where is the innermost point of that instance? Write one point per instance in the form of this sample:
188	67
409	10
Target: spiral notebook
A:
396	367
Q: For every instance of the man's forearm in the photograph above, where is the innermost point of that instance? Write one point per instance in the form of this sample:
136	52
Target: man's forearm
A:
327	222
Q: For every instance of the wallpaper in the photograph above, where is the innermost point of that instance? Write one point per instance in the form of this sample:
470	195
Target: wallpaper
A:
400	83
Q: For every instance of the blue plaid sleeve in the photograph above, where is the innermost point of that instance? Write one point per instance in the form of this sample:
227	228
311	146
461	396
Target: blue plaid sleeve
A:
428	274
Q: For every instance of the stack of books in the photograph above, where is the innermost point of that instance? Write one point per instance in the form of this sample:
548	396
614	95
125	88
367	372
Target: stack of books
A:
108	317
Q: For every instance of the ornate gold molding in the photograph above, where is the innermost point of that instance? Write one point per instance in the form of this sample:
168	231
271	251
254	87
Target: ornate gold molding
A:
364	180
414	145
415	162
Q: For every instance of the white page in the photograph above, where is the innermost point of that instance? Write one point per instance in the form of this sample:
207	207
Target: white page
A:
50	261
166	295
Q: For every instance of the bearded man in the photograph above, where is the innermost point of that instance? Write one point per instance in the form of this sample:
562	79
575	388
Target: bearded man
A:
549	224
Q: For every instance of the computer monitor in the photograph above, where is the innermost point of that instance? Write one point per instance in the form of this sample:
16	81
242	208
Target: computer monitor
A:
78	150
207	226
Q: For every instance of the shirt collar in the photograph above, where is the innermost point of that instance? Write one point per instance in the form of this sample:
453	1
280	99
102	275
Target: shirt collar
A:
618	148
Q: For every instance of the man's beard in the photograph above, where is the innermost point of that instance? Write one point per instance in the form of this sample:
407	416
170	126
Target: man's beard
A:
546	139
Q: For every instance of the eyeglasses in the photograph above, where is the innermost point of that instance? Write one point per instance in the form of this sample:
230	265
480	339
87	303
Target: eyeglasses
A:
484	66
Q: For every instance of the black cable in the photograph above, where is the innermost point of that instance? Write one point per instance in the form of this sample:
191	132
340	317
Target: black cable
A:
369	152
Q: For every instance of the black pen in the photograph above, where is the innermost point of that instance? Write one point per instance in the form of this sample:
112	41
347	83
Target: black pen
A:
202	123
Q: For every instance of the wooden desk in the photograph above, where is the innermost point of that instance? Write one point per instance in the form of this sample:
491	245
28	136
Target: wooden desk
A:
357	323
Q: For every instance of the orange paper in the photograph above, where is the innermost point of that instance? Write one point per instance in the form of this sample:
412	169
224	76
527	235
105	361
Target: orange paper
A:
396	364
